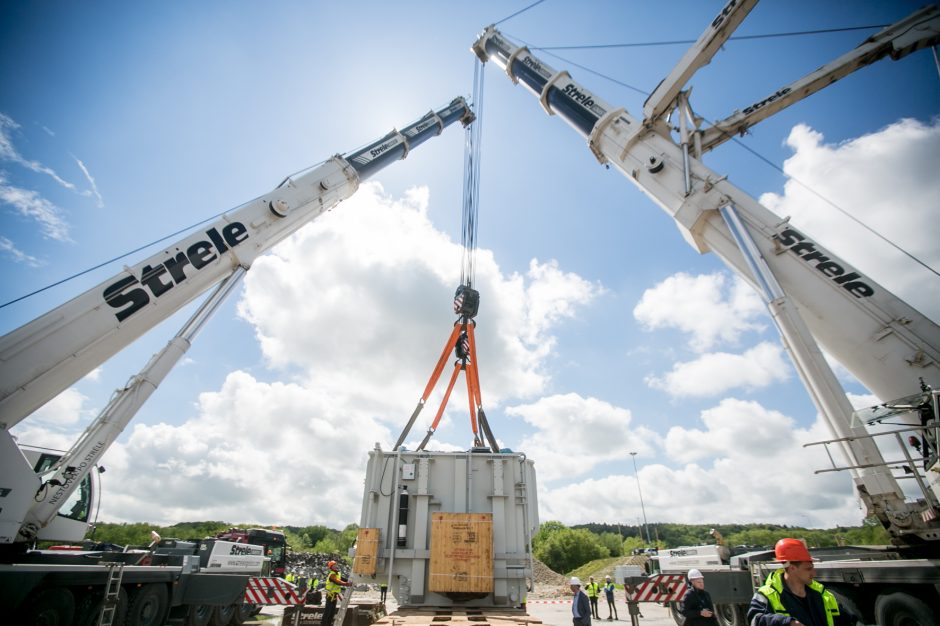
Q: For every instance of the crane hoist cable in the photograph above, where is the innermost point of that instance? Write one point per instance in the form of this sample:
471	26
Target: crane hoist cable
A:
466	299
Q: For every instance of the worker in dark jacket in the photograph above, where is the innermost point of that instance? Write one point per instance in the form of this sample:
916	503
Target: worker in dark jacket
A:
790	596
580	605
697	603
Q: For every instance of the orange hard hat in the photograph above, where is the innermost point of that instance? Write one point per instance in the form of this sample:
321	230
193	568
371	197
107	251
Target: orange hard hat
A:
331	565
788	549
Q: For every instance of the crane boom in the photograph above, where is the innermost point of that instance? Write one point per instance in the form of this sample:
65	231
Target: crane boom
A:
43	357
812	295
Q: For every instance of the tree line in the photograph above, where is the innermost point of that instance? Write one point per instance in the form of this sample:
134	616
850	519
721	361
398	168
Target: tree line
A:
565	549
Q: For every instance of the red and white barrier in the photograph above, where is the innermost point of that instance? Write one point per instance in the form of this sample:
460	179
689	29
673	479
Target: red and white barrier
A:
271	591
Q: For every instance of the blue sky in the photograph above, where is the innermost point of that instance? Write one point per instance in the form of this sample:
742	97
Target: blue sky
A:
601	331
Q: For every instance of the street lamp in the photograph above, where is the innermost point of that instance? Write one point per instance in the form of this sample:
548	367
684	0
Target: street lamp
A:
642	508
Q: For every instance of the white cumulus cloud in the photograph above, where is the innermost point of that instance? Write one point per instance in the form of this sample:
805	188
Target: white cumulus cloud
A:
575	434
718	372
704	306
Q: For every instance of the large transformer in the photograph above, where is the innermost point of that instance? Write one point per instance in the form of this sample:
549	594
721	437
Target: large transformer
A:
448	528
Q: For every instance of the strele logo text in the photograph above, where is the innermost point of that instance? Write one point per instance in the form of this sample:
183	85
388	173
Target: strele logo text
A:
132	293
244	550
385	146
725	12
766	101
805	248
579	96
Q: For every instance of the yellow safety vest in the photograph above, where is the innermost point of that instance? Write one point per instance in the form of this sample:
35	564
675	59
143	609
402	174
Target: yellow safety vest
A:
773	587
592	589
333	589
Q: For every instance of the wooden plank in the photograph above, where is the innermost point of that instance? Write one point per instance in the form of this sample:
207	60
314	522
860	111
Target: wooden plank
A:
461	553
367	550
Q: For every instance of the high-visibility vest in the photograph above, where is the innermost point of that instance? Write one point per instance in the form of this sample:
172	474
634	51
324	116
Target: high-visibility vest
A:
332	588
592	589
773	587
290	577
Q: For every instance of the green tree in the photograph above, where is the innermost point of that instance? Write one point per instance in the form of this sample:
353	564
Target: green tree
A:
612	542
546	530
567	549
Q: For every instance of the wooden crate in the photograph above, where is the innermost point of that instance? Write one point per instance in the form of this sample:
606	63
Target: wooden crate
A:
367	550
461	553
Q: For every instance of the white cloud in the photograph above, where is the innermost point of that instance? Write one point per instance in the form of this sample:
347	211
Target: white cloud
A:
32	205
91	181
267	452
10	249
716	373
575	434
887	180
363	298
8	152
703	307
746	465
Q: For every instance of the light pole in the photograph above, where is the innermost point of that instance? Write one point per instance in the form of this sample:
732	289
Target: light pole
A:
642	508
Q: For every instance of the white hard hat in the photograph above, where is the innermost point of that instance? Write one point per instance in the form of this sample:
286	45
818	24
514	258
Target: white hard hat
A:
694	573
575	581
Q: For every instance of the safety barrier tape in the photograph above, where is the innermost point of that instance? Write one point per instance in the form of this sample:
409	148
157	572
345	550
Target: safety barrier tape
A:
271	591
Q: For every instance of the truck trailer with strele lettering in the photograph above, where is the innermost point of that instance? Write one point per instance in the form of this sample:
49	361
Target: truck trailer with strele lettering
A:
52	495
816	300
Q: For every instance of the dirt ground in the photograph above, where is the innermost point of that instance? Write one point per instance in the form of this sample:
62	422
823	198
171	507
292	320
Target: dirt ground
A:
548	605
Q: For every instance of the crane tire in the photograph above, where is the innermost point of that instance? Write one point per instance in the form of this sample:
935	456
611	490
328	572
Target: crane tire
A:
199	615
903	609
52	606
222	615
148	606
88	609
731	614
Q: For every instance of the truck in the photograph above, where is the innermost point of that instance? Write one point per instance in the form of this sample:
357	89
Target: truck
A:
817	301
52	495
273	542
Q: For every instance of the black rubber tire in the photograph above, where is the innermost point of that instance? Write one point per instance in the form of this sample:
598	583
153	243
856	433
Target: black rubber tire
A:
243	613
731	614
676	612
199	615
222	615
902	609
54	606
89	609
148	606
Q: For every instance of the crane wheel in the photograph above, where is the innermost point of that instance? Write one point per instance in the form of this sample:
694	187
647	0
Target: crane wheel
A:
901	609
54	606
199	615
148	606
222	615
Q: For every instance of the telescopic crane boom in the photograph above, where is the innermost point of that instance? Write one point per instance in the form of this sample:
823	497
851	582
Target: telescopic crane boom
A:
813	296
45	356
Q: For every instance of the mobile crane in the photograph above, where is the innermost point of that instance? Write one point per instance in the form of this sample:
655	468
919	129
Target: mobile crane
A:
816	300
51	496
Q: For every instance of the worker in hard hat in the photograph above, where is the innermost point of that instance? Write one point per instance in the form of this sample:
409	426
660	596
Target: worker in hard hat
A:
697	604
609	593
792	596
334	587
580	605
593	590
